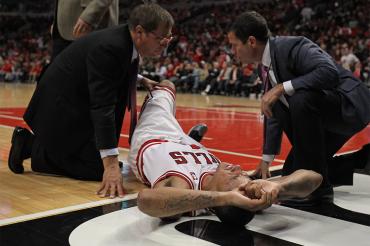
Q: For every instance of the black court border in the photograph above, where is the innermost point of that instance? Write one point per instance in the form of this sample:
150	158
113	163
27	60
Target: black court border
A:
55	230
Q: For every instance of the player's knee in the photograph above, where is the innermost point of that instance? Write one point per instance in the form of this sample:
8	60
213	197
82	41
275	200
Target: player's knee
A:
168	84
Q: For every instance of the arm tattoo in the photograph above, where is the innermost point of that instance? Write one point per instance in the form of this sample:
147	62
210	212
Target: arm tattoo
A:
189	202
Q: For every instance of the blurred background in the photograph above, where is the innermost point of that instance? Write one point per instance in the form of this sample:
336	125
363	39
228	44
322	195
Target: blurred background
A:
198	59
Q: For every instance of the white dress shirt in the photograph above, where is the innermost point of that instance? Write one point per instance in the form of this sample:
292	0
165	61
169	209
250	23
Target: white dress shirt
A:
288	87
112	152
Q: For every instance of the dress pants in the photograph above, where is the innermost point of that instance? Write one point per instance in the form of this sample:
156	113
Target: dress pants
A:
85	164
307	124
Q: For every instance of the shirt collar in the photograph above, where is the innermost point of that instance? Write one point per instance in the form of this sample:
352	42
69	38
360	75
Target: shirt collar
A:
135	54
266	57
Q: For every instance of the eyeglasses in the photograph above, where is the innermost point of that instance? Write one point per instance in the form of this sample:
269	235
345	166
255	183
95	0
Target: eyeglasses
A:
162	40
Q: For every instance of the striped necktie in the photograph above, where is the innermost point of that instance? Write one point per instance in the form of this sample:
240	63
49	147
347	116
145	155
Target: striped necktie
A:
264	70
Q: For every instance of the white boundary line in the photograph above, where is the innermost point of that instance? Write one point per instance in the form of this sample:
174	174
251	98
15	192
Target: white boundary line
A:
57	211
241	154
211	149
126	136
212	119
10	117
8	127
222	111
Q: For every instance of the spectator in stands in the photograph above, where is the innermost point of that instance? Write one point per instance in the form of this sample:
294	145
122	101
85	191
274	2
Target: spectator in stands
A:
218	87
232	86
251	84
348	60
213	72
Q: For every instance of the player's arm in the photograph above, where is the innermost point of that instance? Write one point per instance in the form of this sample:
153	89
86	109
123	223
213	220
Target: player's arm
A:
301	183
169	201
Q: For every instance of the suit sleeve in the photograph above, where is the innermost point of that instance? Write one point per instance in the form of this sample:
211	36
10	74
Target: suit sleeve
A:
95	10
272	136
315	67
103	68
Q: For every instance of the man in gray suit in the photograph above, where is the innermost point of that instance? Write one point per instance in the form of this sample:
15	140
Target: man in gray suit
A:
317	103
76	18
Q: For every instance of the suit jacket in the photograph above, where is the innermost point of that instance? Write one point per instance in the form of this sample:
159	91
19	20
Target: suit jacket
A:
310	68
84	93
98	13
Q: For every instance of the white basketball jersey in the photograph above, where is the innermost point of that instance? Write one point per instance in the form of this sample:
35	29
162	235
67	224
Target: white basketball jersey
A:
160	148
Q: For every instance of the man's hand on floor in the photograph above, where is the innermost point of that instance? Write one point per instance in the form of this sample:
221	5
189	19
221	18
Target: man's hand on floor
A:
262	170
112	179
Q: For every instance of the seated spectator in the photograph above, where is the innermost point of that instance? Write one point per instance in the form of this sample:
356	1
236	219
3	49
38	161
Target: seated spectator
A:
233	85
348	60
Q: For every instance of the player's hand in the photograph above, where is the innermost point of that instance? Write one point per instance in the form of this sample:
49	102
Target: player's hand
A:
148	83
269	98
81	28
262	170
225	173
112	179
254	189
239	199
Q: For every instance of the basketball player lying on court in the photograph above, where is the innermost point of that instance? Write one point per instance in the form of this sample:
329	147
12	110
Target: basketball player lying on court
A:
185	177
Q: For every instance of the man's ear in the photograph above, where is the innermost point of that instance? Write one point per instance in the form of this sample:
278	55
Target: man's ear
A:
139	32
252	41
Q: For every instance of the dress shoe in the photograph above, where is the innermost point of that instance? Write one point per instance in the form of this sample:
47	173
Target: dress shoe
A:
197	132
363	160
20	149
360	159
319	196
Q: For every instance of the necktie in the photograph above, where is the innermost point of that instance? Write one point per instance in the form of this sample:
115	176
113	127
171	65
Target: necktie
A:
264	70
132	98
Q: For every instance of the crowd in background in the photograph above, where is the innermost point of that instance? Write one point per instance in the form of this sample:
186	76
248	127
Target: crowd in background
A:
23	47
198	59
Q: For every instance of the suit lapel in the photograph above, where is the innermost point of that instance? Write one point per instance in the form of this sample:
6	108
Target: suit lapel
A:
273	59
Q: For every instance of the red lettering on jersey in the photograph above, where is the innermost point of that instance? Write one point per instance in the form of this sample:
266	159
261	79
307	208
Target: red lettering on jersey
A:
194	146
214	158
205	157
197	161
178	158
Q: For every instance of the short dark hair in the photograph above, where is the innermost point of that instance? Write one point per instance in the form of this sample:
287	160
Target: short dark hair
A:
250	23
233	215
150	16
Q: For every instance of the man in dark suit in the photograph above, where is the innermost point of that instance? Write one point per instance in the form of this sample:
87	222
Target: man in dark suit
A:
318	104
77	109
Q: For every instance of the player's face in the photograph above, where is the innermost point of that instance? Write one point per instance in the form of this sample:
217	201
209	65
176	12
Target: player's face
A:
244	52
227	177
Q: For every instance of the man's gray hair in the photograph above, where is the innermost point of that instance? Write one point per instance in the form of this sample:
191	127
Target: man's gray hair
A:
150	16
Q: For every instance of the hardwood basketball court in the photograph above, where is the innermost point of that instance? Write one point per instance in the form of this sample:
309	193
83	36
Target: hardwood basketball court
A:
235	136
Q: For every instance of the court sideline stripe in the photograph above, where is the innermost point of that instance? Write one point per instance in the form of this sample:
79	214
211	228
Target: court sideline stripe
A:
211	149
63	210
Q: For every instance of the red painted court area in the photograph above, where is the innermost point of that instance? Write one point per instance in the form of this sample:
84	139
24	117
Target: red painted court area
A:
234	137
